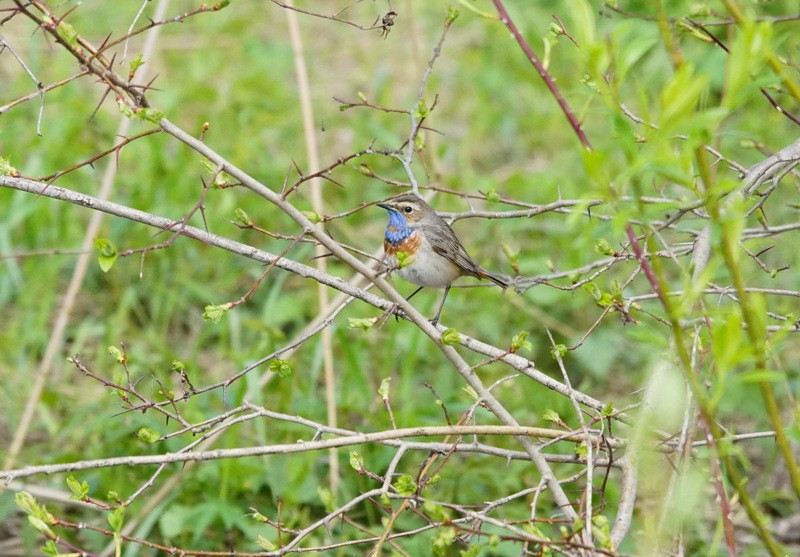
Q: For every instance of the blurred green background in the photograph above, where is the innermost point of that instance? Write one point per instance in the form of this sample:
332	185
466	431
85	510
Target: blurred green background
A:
495	129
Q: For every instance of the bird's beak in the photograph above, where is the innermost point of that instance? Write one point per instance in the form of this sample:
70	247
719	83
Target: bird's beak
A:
385	206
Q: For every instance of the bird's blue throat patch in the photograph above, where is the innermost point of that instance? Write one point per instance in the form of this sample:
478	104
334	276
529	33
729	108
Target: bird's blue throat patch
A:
397	230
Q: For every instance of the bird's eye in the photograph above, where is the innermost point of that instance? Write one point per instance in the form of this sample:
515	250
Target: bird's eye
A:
407	209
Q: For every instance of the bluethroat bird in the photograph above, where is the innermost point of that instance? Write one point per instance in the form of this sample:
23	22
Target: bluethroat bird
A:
433	256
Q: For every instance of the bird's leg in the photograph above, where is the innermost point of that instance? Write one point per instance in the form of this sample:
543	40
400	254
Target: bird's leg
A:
414	292
435	320
397	317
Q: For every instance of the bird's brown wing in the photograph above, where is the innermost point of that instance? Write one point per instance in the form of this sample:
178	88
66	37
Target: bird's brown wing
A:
444	242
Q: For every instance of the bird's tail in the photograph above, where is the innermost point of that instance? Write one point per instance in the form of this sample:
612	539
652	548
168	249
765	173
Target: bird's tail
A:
500	280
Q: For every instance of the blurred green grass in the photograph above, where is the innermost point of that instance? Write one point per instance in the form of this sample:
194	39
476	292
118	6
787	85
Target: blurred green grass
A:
496	128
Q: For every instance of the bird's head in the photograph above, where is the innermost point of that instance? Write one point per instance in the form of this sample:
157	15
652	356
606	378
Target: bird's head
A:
405	210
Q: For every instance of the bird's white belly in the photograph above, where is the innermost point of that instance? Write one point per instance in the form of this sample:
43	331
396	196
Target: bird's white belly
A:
430	269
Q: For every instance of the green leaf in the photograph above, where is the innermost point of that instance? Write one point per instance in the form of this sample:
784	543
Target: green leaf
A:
452	15
316	218
511	255
356	461
519	342
136	63
27	503
6	169
672	171
221	179
729	347
533	529
364	323
680	96
601	530
383	390
115	518
551	415
559	350
126	110
119	377
208	165
603	247
471	392
280	367
51	550
749	49
403	259
450	337
631	45
242	217
601	298
150	115
436	512
40	525
117	353
214	312
492	195
144	114
445	537
80	490
593	291
68	33
148	435
608	409
108	253
596	164
421	111
405	485
265	544
583	15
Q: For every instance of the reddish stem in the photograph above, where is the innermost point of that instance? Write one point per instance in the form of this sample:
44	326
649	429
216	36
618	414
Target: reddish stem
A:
540	69
645	265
